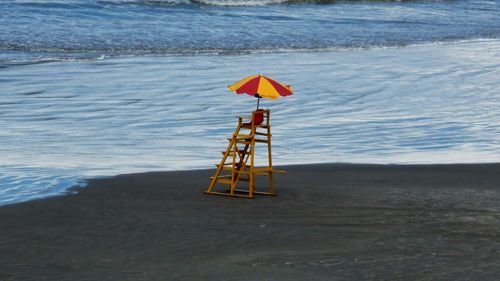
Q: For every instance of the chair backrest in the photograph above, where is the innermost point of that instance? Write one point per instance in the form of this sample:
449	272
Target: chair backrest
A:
258	117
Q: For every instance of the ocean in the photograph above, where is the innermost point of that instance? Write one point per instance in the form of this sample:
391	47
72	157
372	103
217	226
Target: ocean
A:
98	88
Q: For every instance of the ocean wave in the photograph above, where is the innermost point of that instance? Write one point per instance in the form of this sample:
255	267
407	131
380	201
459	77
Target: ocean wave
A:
90	29
193	2
239	2
39	60
274	2
13	56
209	2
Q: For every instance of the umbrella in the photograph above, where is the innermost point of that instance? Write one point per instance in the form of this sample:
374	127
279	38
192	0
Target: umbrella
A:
261	86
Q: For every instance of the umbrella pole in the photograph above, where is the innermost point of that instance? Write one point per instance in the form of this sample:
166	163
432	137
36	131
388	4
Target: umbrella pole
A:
258	100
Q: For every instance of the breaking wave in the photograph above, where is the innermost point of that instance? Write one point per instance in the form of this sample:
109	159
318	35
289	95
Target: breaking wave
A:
33	31
195	2
25	56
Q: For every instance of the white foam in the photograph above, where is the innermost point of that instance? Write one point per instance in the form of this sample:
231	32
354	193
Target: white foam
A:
240	2
65	121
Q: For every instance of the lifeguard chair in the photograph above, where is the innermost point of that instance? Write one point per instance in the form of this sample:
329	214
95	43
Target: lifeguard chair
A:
237	166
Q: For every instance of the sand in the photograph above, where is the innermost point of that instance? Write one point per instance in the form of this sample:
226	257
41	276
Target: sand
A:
329	222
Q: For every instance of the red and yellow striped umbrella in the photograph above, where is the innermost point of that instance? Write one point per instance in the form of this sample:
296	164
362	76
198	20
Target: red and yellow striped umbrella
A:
261	86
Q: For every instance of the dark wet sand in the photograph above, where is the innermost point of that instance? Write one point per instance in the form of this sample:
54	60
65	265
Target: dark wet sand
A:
329	222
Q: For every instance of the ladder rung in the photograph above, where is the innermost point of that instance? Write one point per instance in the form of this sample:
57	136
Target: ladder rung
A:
256	173
250	126
243	136
222	177
242	152
229	165
263	134
262	141
228	168
239	139
224	181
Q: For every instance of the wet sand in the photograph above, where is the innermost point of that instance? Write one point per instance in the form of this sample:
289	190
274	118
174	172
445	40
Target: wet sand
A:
328	222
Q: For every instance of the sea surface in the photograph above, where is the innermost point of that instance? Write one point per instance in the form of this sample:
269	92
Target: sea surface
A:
97	88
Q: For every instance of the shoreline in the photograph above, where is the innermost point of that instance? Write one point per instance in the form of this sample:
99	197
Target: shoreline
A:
374	113
328	222
83	182
109	55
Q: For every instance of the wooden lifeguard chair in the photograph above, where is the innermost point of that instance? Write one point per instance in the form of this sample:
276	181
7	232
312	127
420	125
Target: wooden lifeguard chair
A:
238	161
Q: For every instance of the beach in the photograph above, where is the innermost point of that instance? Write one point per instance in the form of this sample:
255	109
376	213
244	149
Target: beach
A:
328	222
113	114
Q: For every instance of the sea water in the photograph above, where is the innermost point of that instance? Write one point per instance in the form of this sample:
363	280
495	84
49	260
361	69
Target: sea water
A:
98	88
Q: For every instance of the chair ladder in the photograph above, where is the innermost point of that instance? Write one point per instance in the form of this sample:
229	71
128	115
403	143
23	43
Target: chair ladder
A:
239	159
